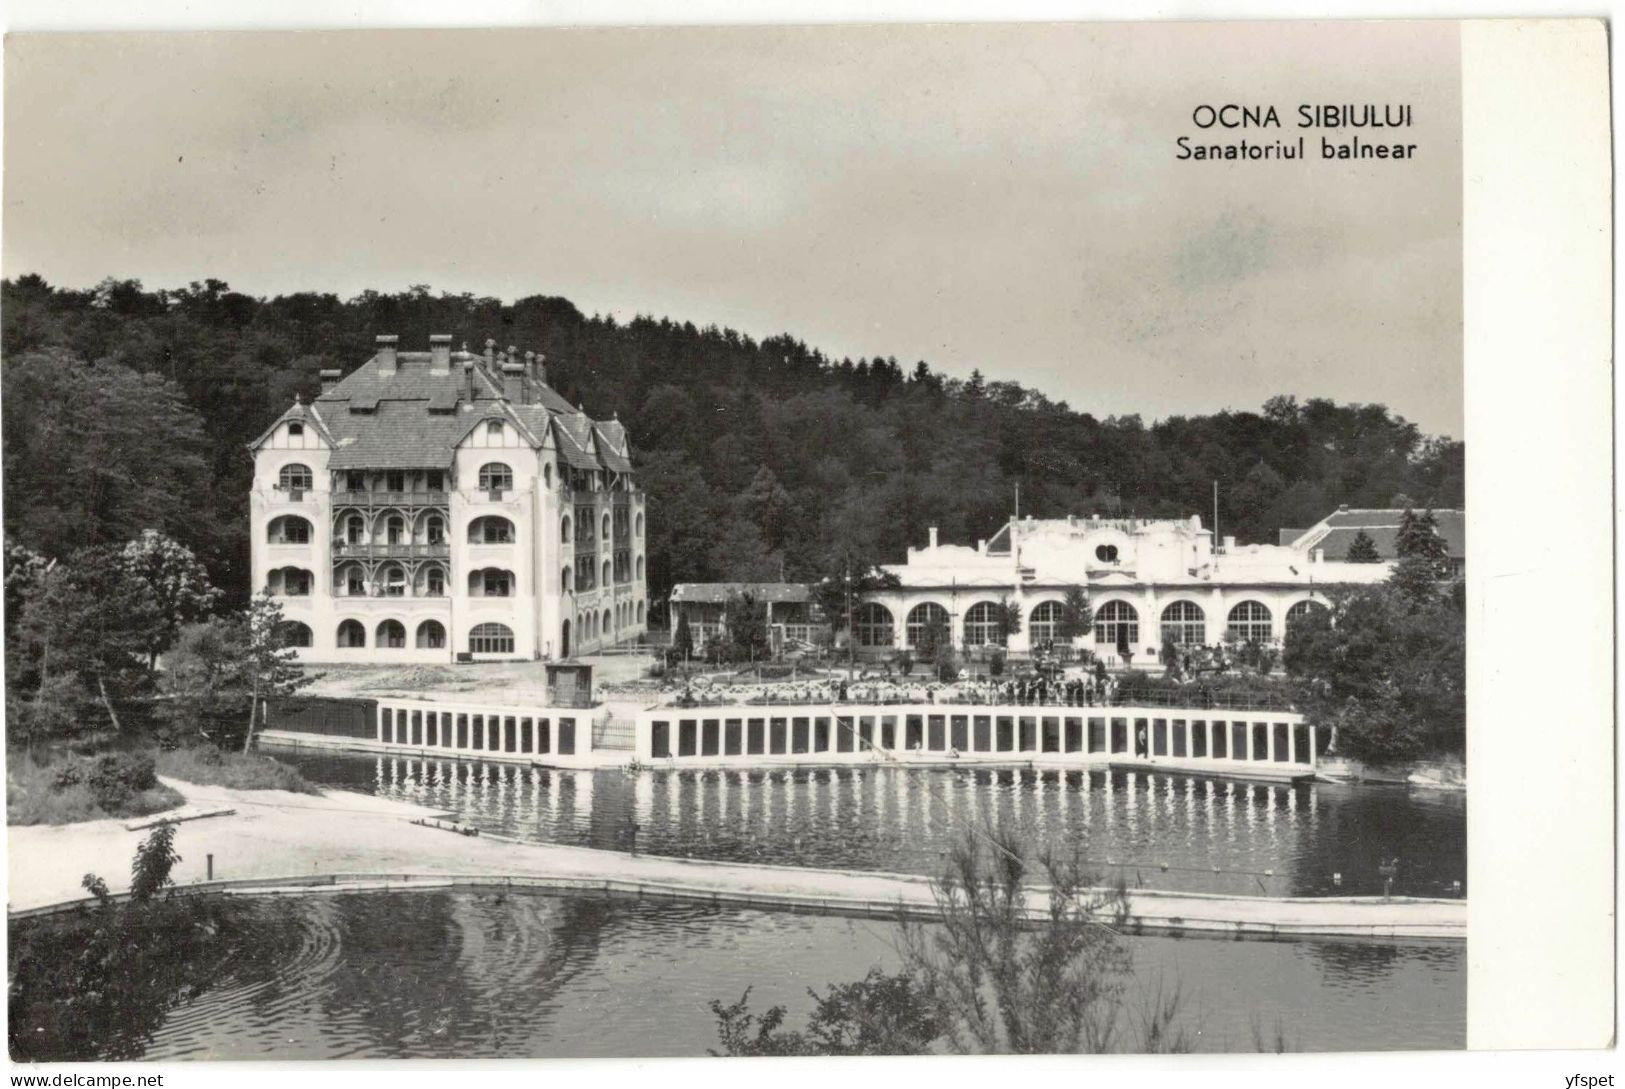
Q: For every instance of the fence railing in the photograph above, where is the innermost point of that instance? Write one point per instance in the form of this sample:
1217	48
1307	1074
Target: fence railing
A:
384	551
1195	702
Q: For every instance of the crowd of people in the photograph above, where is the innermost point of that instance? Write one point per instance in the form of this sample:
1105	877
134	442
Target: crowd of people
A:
1035	690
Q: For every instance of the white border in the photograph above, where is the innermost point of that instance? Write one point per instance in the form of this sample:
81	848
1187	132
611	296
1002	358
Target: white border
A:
1539	393
1521	913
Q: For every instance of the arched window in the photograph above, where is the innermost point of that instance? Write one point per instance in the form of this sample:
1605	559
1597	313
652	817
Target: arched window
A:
490	582
924	617
871	624
564	580
609	624
982	625
491	639
434	529
288	529
391	633
352	634
393	576
640	612
604	534
1043	624
294	478
1184	623
640	568
547	474
433	583
1250	621
1117	624
491	529
1106	553
1301	610
640	525
291	582
605	572
355	529
493	428
431	635
495	477
564	529
395	529
291	633
351	581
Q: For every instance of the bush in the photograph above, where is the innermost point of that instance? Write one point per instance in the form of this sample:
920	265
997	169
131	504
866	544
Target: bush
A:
995	664
68	775
115	777
61	792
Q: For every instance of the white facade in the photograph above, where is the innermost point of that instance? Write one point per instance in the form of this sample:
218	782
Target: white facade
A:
463	539
1146	579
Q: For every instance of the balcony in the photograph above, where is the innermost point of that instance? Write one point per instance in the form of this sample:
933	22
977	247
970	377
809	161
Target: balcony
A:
376	551
390	499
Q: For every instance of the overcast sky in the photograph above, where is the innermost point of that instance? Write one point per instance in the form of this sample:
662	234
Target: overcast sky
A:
997	197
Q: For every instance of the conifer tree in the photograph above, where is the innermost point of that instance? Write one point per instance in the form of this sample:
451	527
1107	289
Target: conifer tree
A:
1363	549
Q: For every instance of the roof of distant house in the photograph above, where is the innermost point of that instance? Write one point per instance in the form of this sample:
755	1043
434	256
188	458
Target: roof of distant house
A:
1335	533
717	593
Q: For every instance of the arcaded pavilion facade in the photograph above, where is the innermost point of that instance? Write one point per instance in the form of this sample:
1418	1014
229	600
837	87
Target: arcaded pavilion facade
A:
1147	581
444	505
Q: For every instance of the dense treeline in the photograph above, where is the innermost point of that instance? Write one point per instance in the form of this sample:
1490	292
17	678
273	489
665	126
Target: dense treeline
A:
761	457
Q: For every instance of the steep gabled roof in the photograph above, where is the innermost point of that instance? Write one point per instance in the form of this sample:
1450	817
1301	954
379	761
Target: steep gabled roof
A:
414	416
297	412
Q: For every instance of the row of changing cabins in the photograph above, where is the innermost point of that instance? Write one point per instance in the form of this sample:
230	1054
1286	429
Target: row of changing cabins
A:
1273	745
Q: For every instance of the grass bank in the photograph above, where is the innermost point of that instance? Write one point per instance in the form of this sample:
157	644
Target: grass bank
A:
63	787
240	771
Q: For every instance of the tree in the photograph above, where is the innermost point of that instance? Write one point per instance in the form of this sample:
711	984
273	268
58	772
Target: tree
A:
82	636
841	590
176	582
1005	968
96	453
271	666
1423	558
1076	620
682	640
879	1014
1007	621
1387	674
1363	549
745	619
206	671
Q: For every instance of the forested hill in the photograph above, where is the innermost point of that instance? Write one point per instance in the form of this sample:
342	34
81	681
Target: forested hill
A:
759	456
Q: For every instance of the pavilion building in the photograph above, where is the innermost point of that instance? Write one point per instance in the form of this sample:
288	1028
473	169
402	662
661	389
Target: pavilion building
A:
1147	581
447	505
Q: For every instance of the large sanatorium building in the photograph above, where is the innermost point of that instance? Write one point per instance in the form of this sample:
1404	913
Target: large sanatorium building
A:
1147	581
444	504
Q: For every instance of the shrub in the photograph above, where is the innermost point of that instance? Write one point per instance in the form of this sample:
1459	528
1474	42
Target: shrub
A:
115	778
68	775
995	664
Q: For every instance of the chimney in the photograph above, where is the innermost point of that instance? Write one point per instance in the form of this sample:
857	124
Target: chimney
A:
468	380
330	379
386	353
530	378
1342	508
440	353
1317	555
541	369
513	381
490	352
933	536
981	546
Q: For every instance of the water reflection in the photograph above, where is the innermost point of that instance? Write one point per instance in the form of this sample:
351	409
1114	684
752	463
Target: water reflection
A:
1155	830
443	973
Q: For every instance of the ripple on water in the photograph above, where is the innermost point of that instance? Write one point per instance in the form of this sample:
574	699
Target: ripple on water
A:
463	973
